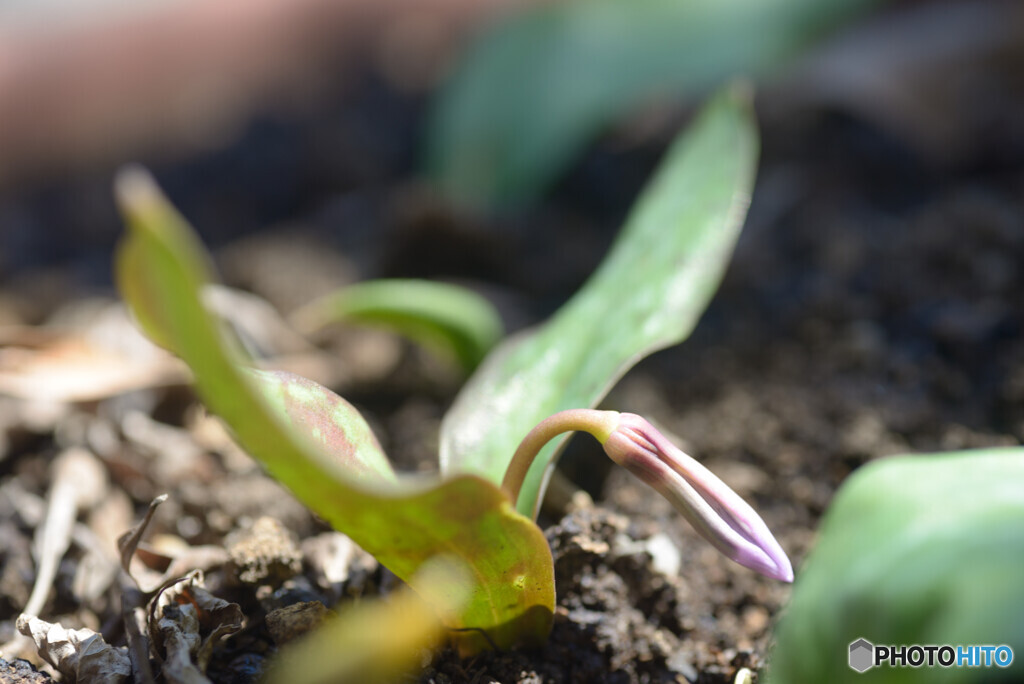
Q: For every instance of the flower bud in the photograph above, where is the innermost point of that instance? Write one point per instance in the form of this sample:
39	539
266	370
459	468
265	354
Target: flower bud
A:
715	511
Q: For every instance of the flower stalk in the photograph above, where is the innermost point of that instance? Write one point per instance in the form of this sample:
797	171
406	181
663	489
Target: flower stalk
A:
718	513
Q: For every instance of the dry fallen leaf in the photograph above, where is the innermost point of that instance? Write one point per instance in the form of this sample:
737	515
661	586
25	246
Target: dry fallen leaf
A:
186	622
178	630
80	655
95	358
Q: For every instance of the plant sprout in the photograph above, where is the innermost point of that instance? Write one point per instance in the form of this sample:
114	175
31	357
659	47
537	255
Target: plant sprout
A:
319	446
714	510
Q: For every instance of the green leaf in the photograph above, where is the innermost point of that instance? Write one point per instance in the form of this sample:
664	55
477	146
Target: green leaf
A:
913	550
536	89
648	294
448	318
403	522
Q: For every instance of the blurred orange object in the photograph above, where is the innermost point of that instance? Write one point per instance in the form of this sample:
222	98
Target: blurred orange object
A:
179	75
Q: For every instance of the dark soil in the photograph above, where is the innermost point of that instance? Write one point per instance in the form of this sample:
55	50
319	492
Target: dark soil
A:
873	307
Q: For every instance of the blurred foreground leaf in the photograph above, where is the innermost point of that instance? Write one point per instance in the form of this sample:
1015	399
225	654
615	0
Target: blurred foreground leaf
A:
913	550
447	318
376	641
646	295
537	88
402	522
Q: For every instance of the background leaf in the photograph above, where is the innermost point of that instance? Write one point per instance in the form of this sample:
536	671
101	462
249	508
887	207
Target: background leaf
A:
448	318
647	295
160	270
537	88
913	550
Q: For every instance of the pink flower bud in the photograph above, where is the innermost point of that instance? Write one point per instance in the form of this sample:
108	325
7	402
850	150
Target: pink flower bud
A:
715	511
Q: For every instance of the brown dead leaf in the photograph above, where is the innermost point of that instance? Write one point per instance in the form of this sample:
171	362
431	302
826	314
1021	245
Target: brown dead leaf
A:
153	571
184	618
99	357
178	631
129	541
81	655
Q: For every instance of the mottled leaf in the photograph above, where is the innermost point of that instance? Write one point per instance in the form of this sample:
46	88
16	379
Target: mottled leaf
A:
647	295
913	550
310	409
403	522
450	319
536	89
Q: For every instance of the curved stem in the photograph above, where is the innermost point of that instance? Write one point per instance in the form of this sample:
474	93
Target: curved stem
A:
598	423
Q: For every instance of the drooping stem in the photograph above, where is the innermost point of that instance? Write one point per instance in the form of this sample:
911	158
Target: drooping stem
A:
600	424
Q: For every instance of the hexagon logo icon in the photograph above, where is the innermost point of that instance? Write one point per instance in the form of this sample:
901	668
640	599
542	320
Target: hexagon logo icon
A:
862	655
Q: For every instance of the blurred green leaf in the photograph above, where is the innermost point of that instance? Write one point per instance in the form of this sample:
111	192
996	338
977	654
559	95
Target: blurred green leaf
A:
374	641
648	294
537	88
403	522
913	550
447	318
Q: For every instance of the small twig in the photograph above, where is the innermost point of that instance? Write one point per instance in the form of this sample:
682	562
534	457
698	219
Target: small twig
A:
128	542
133	599
79	482
32	509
